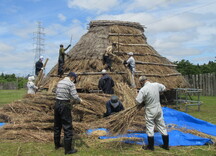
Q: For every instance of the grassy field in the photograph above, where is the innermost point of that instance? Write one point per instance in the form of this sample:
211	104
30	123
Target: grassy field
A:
94	147
8	96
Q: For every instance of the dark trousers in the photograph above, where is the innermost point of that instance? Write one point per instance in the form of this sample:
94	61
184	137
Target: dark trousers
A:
60	67
62	119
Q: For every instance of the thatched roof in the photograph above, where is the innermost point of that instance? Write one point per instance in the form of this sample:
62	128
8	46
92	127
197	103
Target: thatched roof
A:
86	55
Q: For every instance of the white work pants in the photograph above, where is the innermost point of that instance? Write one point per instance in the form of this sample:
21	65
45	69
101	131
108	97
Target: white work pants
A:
154	118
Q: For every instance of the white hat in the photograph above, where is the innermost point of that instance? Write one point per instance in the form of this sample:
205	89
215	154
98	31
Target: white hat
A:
41	57
130	53
103	71
31	78
142	78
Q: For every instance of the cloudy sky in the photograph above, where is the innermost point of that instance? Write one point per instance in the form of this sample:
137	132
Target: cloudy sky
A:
177	29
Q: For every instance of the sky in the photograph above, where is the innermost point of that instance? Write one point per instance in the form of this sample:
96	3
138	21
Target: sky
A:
177	29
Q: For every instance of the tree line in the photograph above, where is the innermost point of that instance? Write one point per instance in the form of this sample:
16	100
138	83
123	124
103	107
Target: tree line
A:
187	68
20	81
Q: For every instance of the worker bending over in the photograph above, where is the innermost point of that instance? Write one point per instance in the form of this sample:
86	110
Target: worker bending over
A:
113	106
149	96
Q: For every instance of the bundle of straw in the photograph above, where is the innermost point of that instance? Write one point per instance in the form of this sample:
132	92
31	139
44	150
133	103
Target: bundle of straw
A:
120	122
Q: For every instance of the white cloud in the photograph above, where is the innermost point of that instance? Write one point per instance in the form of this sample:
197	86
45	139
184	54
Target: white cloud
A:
174	24
149	5
5	48
98	5
61	17
181	51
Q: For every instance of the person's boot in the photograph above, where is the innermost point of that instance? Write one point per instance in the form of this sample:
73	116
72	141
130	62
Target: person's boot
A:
166	142
150	145
57	143
67	146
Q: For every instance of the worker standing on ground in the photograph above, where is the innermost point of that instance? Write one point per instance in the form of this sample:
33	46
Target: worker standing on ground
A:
149	96
113	106
61	59
106	83
39	65
31	86
65	91
131	65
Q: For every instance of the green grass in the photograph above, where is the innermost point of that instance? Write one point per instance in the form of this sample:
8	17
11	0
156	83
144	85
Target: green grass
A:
91	146
8	96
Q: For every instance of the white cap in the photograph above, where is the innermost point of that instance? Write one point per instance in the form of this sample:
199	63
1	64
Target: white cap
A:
31	78
130	53
142	78
41	57
103	71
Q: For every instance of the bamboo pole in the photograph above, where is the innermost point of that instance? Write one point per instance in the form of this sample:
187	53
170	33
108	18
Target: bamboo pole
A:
118	34
136	54
159	64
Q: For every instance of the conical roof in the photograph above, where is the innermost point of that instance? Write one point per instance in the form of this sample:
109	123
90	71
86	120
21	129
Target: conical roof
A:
87	54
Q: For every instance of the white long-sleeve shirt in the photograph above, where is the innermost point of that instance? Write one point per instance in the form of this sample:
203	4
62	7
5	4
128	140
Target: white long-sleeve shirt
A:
131	61
150	94
66	90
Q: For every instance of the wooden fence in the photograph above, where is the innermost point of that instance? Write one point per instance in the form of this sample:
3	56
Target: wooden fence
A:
8	85
206	82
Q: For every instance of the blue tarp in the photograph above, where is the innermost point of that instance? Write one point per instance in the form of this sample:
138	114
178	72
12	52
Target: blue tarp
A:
187	121
177	138
1	124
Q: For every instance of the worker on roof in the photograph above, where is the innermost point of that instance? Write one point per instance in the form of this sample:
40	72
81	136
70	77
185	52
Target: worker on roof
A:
65	91
149	96
106	83
107	57
107	61
31	86
113	106
39	65
131	65
61	59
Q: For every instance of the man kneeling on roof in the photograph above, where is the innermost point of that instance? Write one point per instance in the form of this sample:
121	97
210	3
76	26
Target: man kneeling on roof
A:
113	106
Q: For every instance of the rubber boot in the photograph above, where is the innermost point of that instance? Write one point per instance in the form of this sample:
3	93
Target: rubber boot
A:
67	146
150	145
57	143
166	142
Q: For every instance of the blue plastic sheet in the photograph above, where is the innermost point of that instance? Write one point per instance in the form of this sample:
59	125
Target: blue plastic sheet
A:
177	138
2	124
187	121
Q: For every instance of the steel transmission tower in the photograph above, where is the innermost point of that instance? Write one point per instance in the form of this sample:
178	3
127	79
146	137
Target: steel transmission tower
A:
38	43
